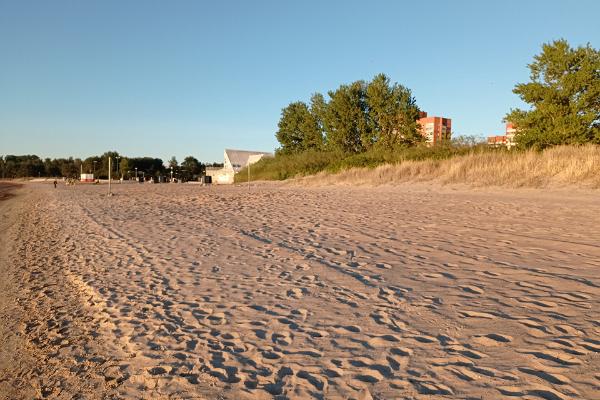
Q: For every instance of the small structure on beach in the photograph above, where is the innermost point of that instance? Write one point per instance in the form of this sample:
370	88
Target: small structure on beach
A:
235	160
87	178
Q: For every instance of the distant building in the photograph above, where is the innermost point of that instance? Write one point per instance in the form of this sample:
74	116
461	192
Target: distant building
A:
511	131
435	129
496	141
235	160
508	139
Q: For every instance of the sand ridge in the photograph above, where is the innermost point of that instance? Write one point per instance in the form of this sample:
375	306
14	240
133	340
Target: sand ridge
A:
277	292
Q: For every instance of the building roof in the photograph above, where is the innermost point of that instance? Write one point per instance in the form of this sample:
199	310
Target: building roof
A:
239	158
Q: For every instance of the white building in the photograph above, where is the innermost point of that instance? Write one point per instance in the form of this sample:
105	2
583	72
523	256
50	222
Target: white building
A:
235	160
87	178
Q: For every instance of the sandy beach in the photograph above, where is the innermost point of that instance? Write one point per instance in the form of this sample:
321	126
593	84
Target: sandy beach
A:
179	291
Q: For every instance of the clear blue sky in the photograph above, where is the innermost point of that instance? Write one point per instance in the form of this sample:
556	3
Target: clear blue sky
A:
164	78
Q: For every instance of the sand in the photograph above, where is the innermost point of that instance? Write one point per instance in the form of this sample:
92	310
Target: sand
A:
183	291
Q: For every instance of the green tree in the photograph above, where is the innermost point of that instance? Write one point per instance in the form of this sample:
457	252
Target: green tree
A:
92	165
146	166
318	109
52	167
25	166
103	172
393	113
173	162
346	119
123	166
564	95
298	129
69	168
192	168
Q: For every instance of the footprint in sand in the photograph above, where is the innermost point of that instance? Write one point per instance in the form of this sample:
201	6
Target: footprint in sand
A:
538	303
401	351
429	387
383	340
295	293
477	314
555	356
493	339
282	338
494	373
217	318
349	328
591	345
568	330
551	377
537	391
472	289
432	275
465	351
464	374
299	313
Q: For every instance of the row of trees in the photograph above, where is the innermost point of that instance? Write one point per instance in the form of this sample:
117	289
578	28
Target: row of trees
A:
564	97
12	166
357	117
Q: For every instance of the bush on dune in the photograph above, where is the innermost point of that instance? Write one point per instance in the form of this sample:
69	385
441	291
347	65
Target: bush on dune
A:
310	162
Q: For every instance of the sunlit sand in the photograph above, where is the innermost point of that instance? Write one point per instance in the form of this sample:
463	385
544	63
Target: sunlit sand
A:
181	291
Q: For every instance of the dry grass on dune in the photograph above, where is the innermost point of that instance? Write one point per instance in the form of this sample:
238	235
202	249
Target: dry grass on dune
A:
558	166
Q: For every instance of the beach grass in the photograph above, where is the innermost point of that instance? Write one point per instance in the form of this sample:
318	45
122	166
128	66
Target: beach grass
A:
554	167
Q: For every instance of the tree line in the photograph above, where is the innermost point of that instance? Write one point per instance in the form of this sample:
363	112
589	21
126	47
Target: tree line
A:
563	97
20	166
356	117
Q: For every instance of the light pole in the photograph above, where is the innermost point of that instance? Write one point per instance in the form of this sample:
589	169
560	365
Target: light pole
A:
109	176
136	173
118	158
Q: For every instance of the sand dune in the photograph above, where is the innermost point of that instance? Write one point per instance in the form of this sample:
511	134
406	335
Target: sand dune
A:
175	291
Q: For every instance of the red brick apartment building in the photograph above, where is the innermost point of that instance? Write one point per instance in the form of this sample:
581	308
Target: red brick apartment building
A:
508	139
435	129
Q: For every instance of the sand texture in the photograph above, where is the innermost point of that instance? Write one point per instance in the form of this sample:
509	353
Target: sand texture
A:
188	292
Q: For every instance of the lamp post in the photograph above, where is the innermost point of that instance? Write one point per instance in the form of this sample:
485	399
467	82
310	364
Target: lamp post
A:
136	173
109	176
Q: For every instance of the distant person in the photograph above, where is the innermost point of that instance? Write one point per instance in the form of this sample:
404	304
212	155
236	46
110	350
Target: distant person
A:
55	183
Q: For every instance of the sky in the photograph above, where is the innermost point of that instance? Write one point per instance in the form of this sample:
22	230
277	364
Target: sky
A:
179	78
